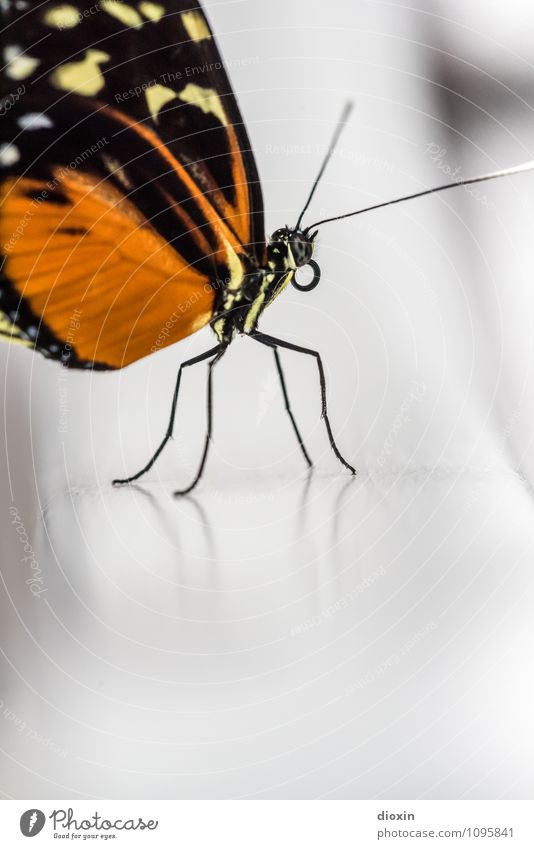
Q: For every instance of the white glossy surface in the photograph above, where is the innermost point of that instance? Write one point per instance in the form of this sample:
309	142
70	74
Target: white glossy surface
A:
341	638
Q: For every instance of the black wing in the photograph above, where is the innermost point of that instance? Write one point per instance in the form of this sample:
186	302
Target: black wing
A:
119	126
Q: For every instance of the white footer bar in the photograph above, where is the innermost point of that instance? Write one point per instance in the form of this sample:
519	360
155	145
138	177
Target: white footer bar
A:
269	824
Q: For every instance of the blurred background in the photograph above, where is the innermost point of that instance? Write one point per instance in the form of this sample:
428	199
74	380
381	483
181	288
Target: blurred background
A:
277	635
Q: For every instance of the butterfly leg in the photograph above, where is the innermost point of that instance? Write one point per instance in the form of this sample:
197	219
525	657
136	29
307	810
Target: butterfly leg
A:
287	402
288	408
271	341
193	361
219	351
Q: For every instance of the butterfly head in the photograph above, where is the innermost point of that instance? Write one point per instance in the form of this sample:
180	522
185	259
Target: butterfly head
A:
290	249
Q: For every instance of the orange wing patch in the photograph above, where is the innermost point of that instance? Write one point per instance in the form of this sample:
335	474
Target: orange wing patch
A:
231	224
100	276
236	217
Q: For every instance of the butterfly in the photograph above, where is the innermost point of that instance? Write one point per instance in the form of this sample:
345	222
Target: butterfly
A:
131	206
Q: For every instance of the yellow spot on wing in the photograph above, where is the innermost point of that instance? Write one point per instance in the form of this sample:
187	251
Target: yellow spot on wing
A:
83	77
21	67
62	17
196	26
152	11
156	97
8	329
235	267
206	99
123	13
234	292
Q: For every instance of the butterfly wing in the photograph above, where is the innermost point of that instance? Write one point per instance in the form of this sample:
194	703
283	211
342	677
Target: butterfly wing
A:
129	193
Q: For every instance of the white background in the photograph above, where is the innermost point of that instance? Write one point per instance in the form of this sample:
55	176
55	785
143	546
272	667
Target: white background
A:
276	636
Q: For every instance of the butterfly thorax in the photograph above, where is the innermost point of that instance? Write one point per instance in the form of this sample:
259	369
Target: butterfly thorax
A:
240	308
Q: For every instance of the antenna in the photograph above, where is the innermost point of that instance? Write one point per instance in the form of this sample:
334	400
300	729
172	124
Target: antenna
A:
507	172
347	109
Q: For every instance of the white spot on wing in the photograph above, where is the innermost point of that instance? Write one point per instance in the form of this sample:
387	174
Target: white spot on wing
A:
9	154
19	64
34	121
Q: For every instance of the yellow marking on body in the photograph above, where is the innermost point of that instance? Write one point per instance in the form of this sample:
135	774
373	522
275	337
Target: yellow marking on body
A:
124	13
62	17
196	26
156	97
21	66
257	304
253	313
7	328
83	77
152	11
281	286
218	328
206	99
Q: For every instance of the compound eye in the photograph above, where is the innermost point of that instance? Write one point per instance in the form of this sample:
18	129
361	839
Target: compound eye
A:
301	252
307	287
